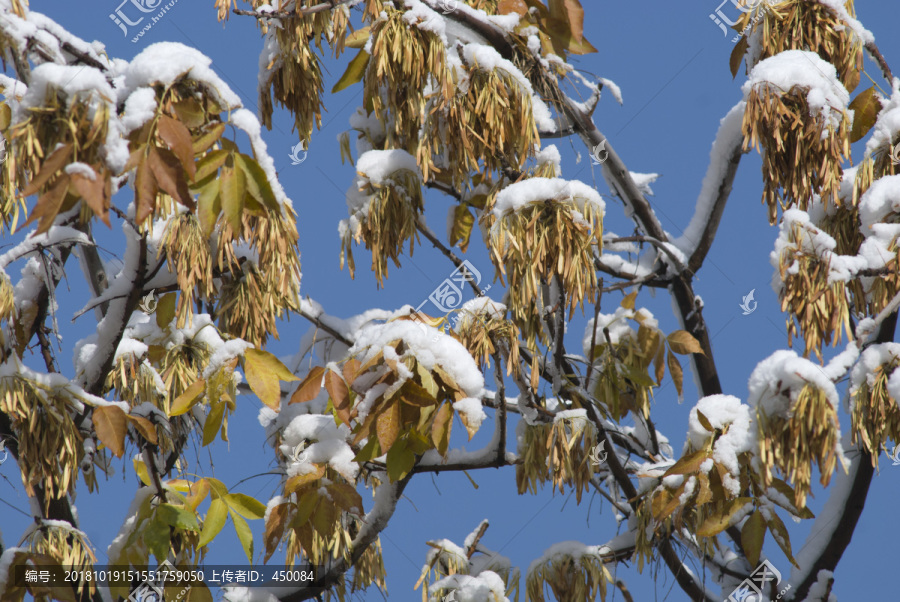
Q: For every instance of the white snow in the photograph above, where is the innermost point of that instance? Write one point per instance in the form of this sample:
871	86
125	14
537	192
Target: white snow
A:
445	352
532	190
724	412
784	372
378	166
329	445
826	96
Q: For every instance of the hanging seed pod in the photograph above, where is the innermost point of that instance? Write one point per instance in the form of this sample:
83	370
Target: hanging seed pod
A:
570	576
533	445
481	325
792	441
489	123
803	127
545	230
874	407
572	437
818	304
406	61
778	26
384	210
188	256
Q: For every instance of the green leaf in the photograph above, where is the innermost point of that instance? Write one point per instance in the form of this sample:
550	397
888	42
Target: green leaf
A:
368	452
683	342
354	73
209	205
752	535
717	523
165	310
213	422
156	537
175	516
865	107
400	460
257	183
245	535
245	505
264	371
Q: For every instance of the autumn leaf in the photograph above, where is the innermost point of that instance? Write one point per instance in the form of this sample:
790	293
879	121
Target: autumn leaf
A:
388	426
463	220
716	523
170	175
865	107
310	386
264	371
245	505
737	55
214	521
145	428
94	193
111	427
146	190
340	395
675	371
189	398
233	188
54	163
688	464
354	73
683	343
49	205
752	535
178	137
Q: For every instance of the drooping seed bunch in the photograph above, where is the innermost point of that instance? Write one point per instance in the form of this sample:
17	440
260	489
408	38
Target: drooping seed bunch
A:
875	411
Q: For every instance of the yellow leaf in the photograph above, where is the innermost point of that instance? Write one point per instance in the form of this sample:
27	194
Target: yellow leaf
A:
110	424
141	470
354	73
358	38
310	386
463	220
245	535
233	189
752	535
165	310
683	342
213	422
245	505
717	523
688	464
264	371
297	482
628	301
518	7
189	398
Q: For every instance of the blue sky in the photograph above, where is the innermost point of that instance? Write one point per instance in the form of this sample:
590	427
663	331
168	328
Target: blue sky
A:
671	63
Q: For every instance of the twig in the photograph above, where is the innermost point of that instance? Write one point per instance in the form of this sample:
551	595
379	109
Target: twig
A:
471	549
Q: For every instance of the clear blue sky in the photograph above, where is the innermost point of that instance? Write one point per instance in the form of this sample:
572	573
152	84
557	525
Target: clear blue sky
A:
671	62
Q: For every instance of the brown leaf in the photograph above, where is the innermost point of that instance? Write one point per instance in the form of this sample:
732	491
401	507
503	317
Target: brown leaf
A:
387	427
275	528
309	386
782	538
178	137
146	190
94	194
145	428
737	55
297	482
865	109
683	342
170	175
52	164
440	430
205	140
753	533
676	372
111	427
518	7
49	205
340	395
351	370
